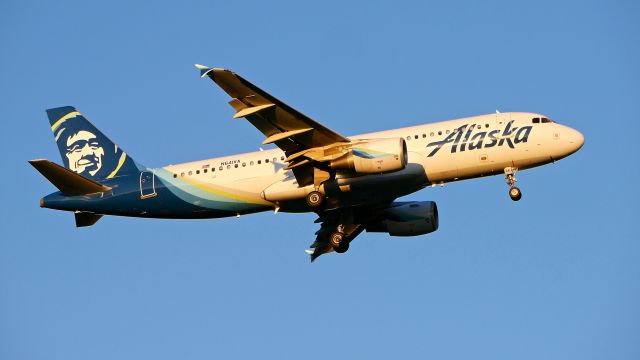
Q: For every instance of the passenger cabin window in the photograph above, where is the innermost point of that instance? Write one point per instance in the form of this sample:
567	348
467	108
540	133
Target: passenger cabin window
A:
259	162
190	173
197	172
266	161
235	166
416	137
175	176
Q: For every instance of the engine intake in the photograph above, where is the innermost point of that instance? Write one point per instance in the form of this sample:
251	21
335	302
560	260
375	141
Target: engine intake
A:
374	157
407	219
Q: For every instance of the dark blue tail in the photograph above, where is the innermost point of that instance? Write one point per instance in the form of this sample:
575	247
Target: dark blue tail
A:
85	149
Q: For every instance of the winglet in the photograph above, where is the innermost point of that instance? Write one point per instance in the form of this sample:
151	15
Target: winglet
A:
204	70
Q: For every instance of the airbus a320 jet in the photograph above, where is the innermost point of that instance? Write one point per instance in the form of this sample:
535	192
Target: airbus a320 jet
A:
350	182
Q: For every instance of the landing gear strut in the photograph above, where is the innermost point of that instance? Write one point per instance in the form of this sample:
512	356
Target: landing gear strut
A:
514	193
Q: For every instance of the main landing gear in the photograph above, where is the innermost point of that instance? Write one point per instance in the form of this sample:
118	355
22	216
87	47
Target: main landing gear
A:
315	200
514	193
338	243
343	234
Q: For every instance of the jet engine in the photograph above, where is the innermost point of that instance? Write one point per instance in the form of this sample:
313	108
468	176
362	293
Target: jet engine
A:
407	219
374	157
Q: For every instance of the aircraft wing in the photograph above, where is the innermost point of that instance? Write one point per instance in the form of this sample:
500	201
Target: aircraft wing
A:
282	125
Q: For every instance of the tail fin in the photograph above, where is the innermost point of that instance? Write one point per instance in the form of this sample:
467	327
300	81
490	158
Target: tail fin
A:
84	149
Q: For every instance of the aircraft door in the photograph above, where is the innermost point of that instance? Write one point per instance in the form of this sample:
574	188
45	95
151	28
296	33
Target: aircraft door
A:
147	185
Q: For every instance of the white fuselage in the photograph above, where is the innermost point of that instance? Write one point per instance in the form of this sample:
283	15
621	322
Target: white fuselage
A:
437	153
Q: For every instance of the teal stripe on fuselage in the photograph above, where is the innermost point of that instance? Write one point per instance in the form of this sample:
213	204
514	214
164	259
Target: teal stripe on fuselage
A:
170	201
192	194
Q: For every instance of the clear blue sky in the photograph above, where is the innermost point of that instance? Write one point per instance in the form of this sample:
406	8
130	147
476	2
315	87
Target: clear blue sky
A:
555	276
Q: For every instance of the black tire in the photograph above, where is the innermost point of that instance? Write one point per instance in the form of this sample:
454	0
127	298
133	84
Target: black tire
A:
335	240
515	194
342	248
315	199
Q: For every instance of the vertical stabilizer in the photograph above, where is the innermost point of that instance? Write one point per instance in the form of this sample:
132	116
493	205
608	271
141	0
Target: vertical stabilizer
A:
86	150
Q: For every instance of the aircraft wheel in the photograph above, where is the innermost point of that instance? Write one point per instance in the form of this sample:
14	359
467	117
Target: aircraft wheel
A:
315	199
515	194
342	248
335	240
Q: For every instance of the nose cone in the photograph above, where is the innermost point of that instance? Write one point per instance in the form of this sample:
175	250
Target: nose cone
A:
576	140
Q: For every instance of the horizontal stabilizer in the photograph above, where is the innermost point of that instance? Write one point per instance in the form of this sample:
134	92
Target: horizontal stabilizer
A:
67	181
86	219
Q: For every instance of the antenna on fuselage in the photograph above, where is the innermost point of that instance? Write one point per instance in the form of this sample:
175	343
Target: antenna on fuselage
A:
497	111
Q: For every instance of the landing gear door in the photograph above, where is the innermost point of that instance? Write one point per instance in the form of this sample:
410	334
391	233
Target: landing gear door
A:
147	185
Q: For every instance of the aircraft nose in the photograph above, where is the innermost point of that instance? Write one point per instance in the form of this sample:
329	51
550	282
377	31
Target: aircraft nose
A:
576	139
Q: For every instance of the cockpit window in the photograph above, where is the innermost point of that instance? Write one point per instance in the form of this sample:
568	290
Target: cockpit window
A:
541	120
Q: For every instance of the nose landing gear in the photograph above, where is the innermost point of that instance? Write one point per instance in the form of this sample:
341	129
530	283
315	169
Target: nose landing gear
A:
510	174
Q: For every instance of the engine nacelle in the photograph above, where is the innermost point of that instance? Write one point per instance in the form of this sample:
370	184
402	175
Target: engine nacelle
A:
407	219
374	157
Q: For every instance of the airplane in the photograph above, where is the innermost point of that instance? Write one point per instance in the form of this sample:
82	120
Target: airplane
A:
350	182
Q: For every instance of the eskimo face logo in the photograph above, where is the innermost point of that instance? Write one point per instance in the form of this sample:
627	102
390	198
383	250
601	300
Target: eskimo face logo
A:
84	152
462	140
